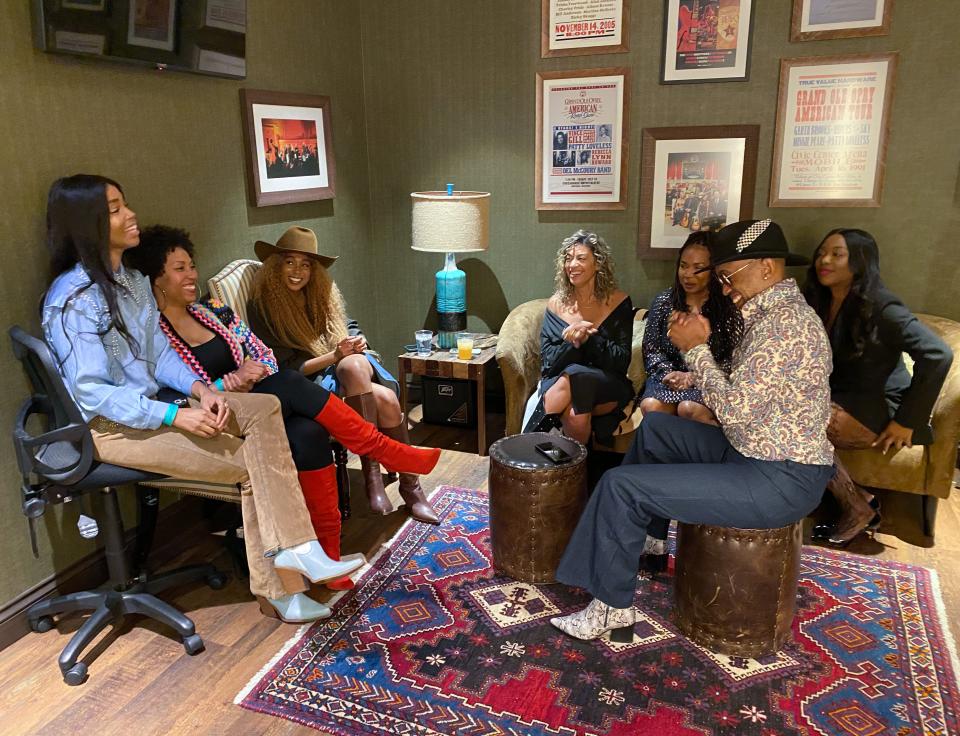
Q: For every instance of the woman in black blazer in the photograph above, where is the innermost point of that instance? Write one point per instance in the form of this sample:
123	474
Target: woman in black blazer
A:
876	402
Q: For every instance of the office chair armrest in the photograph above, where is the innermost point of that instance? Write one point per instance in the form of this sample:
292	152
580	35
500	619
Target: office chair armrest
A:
25	444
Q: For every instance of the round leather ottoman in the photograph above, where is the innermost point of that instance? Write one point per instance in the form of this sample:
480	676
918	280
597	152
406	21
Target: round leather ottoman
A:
535	504
736	589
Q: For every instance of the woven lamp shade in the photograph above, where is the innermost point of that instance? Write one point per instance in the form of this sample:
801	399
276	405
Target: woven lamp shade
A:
457	223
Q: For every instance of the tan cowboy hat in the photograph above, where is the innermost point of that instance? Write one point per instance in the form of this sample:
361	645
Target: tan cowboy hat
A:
294	240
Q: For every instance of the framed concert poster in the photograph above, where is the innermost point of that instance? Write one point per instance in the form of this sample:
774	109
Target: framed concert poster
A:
833	117
694	178
706	41
817	20
289	147
575	27
152	23
581	150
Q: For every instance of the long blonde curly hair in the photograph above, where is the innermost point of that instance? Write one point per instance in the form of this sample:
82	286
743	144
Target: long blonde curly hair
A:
604	283
315	329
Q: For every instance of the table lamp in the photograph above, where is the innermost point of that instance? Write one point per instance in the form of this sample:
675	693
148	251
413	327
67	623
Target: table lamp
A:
451	222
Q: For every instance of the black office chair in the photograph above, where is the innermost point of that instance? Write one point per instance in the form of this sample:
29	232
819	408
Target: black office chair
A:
58	466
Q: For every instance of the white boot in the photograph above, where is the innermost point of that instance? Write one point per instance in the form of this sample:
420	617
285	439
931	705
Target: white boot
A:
596	620
309	559
293	609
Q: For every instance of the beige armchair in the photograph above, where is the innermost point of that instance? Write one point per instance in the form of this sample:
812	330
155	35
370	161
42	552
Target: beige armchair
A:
518	354
926	471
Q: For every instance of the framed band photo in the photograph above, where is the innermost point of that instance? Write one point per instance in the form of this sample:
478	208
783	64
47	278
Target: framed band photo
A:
818	20
581	151
575	27
706	41
830	143
694	178
289	147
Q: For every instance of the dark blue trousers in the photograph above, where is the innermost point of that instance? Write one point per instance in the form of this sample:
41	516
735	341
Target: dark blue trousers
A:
684	470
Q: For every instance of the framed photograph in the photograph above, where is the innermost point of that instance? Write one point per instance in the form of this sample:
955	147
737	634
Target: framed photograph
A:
289	147
694	178
575	27
94	5
229	15
581	150
833	117
152	23
80	43
817	20
706	41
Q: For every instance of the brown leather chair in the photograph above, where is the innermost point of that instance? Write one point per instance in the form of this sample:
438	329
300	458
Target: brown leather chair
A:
736	589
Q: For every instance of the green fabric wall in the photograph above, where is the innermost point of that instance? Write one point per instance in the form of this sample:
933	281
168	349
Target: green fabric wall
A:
450	97
174	142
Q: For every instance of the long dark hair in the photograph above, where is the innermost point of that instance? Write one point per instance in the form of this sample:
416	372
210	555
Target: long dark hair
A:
855	323
78	231
718	308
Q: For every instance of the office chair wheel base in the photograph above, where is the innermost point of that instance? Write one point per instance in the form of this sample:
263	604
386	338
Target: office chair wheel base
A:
216	581
76	675
42	624
193	644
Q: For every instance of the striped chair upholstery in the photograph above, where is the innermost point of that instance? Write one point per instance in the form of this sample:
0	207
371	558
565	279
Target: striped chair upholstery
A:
233	285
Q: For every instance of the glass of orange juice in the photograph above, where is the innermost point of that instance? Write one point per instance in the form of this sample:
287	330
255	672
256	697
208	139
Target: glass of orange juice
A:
464	345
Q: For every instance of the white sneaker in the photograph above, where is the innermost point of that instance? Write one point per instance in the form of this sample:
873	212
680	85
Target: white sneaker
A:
309	559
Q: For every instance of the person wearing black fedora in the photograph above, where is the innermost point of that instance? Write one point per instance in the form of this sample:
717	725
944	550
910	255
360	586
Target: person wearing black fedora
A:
766	466
298	311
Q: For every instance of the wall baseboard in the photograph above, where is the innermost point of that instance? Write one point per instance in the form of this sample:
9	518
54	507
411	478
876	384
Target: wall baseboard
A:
177	525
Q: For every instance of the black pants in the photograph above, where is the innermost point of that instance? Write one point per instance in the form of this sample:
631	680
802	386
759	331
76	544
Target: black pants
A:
685	470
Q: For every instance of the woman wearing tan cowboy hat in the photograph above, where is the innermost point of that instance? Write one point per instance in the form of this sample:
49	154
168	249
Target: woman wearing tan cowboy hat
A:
298	311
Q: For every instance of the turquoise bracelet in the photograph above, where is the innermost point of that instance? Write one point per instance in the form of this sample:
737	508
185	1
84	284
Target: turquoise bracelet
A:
219	384
171	414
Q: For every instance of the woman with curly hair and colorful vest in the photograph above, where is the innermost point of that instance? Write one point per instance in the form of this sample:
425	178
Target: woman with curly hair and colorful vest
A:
219	347
299	312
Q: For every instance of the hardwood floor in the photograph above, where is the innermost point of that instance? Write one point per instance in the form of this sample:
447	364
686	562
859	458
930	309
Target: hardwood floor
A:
143	683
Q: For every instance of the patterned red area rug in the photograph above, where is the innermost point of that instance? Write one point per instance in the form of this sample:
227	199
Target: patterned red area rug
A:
432	642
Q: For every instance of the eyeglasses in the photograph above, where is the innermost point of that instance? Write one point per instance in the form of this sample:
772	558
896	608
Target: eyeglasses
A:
725	278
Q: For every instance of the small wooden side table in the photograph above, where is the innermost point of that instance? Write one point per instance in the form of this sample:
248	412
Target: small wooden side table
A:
444	364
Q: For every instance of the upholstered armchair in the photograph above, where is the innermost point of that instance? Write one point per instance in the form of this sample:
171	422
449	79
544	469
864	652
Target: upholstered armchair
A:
518	354
924	470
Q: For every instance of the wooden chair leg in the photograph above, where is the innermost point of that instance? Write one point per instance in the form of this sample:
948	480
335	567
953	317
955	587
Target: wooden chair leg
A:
929	514
343	479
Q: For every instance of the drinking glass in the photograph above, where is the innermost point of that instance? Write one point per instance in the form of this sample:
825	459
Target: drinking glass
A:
424	342
464	345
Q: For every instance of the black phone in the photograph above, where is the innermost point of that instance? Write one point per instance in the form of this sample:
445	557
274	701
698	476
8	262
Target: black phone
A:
553	453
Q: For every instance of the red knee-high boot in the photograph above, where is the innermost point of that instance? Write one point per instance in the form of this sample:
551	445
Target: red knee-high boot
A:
319	489
361	437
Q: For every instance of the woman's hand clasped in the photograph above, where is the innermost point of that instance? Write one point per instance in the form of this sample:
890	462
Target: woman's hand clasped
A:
350	346
678	380
245	377
579	332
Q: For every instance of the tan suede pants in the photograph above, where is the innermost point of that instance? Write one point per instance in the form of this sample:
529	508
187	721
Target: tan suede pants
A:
252	451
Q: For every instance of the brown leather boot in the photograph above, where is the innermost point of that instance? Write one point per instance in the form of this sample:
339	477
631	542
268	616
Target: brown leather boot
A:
410	490
366	406
857	513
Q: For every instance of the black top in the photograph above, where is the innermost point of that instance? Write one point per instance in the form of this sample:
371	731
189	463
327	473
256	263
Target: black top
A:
607	349
215	357
875	386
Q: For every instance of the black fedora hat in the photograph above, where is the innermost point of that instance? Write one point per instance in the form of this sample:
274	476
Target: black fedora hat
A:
752	239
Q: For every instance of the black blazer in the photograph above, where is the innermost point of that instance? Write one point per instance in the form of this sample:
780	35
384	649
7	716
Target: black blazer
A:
875	386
